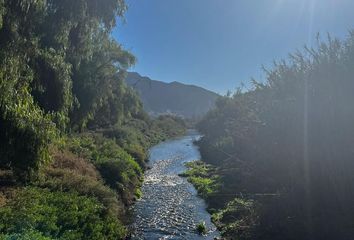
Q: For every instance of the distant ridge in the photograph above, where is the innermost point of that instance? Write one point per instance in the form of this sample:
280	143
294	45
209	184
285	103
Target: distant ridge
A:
177	98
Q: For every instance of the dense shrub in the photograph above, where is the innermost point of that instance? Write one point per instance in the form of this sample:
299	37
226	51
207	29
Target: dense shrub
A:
70	181
58	215
289	140
28	235
66	160
118	168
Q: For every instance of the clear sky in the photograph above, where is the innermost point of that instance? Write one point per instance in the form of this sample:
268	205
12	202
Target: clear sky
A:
217	44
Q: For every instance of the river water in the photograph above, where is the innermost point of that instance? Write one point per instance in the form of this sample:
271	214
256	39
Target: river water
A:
170	207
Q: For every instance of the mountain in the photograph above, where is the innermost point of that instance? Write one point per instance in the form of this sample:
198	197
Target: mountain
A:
159	97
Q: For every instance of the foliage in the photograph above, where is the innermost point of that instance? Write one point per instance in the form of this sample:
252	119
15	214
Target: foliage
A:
29	235
25	130
201	228
118	169
53	76
101	92
120	152
171	125
61	72
138	135
42	211
238	218
203	177
69	181
288	140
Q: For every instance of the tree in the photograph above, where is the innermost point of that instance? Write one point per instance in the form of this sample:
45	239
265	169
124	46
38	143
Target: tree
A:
53	78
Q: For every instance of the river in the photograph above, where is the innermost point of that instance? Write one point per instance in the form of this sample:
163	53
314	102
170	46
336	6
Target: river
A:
170	207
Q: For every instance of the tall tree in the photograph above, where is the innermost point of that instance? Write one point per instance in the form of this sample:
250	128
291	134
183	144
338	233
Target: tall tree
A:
58	67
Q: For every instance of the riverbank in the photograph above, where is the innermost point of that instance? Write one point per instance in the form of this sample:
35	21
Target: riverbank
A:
94	177
230	213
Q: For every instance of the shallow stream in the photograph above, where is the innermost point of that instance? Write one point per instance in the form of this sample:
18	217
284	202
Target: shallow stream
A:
170	207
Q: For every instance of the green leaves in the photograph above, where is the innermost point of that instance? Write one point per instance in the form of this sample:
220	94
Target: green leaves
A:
61	71
25	130
55	55
58	215
28	235
118	168
52	85
287	144
98	84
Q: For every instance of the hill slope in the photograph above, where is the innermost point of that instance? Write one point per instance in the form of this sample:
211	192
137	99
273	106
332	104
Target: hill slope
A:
160	97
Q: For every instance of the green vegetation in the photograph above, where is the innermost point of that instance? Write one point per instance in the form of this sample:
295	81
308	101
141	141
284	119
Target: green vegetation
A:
58	78
59	215
73	136
87	167
203	177
118	168
284	149
238	218
201	228
28	235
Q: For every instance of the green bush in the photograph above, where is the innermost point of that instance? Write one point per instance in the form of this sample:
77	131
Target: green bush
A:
28	235
58	215
120	171
117	167
69	181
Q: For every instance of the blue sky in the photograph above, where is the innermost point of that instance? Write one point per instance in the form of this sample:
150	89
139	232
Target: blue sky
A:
217	44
